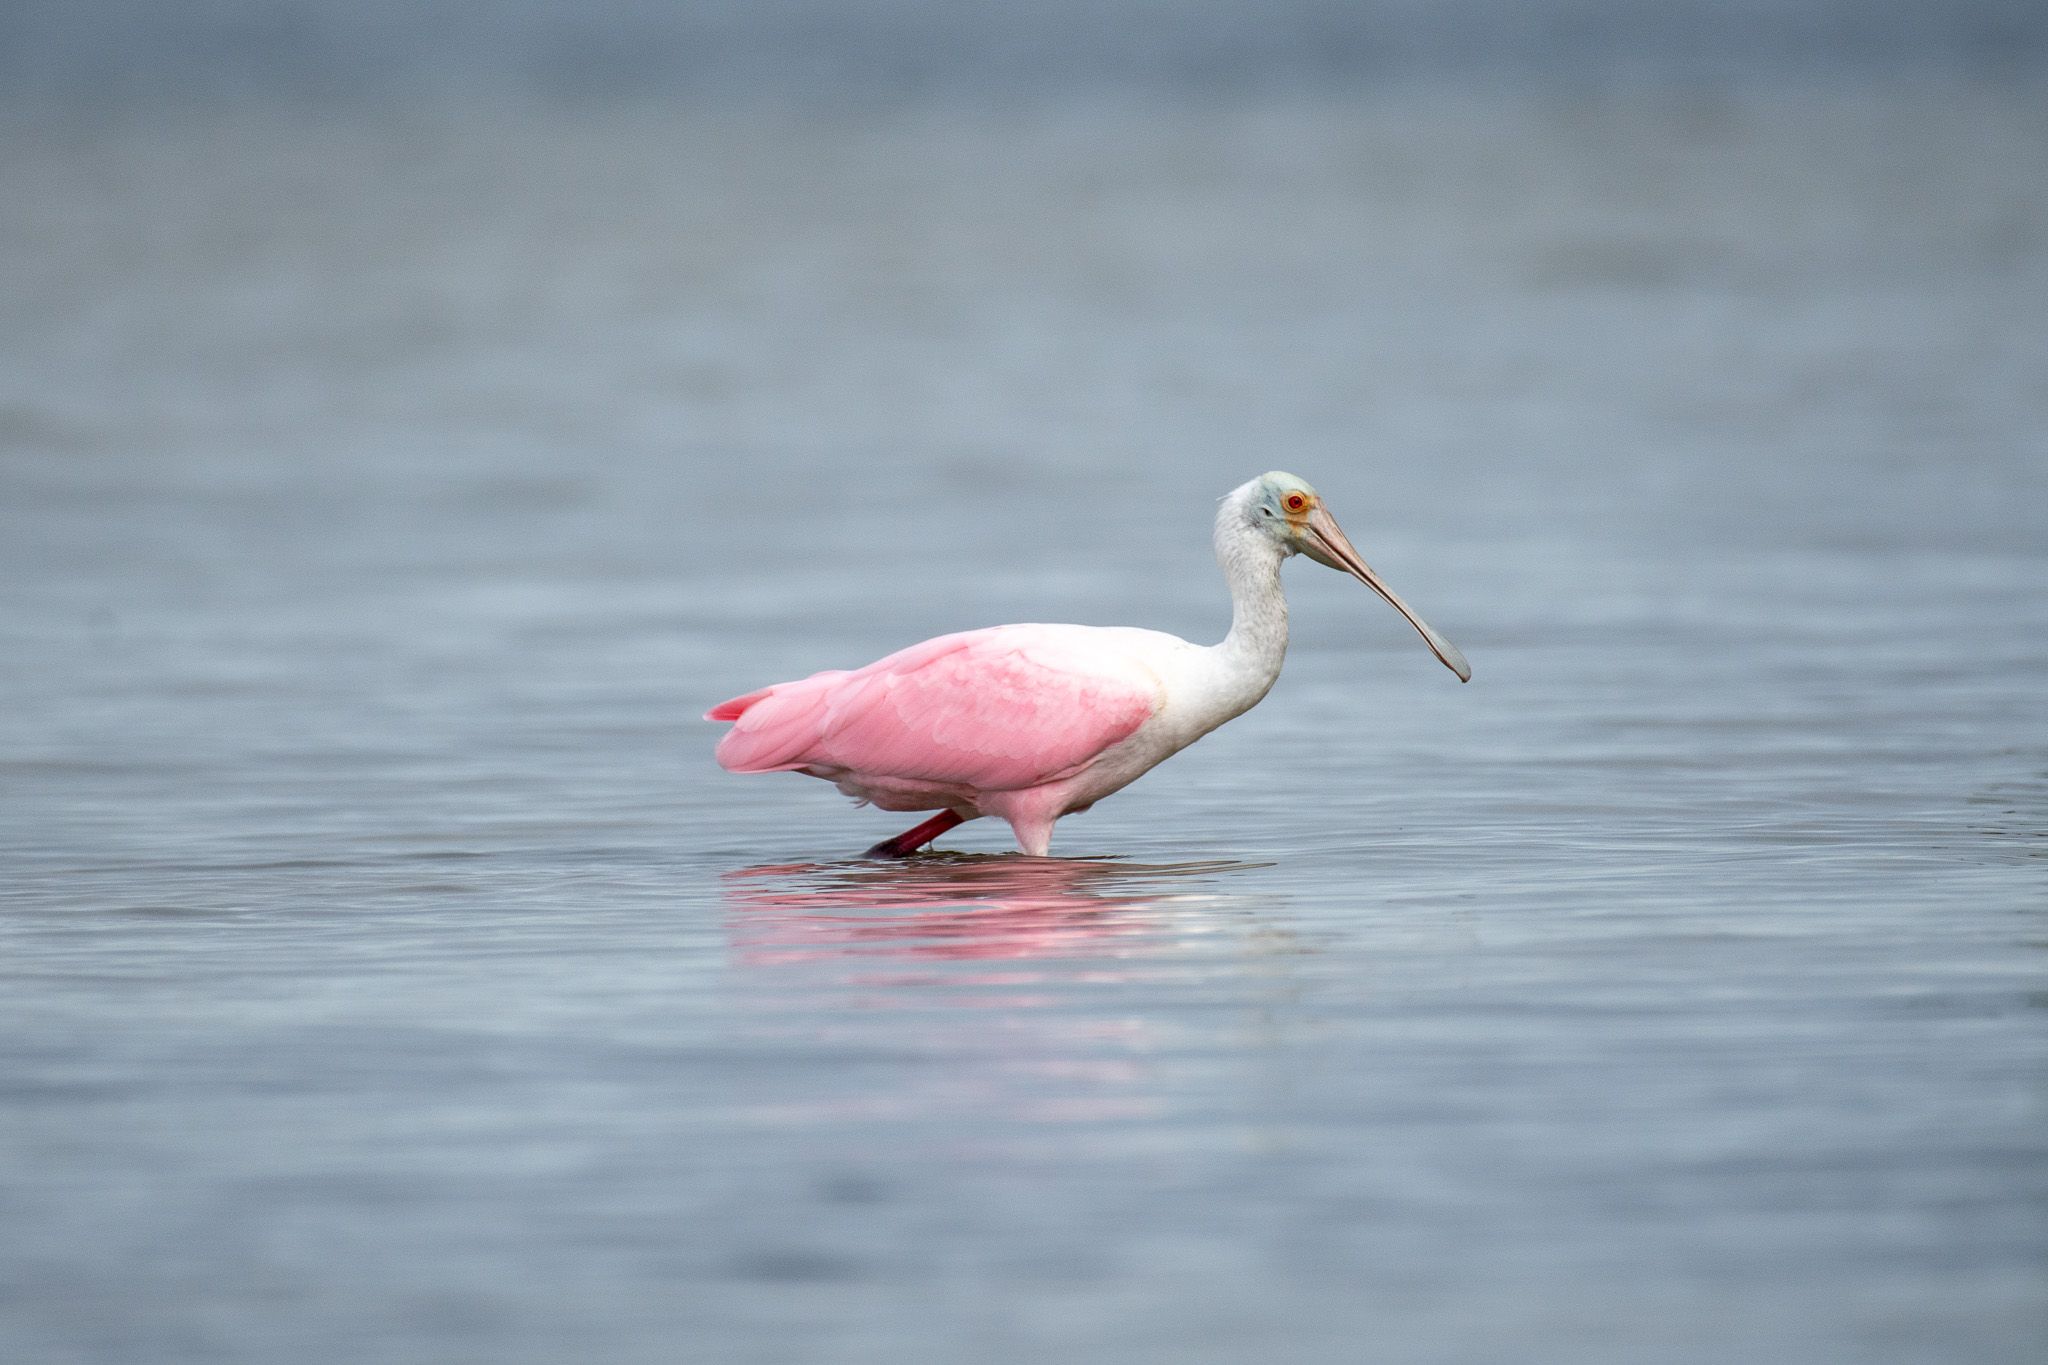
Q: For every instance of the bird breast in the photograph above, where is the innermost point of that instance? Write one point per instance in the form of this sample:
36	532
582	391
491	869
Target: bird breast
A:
1200	689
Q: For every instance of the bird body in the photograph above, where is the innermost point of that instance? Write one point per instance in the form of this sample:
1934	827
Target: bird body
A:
1028	723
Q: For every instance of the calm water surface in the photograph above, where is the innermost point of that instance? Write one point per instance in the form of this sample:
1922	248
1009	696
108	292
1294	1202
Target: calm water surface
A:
389	975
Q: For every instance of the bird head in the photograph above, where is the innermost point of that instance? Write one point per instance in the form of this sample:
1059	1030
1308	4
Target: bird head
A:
1287	510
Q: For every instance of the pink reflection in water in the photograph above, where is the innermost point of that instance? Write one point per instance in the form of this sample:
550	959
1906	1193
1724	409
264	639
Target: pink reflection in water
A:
952	907
1038	950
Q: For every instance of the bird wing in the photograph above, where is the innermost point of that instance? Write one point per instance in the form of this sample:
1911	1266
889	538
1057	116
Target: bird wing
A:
995	710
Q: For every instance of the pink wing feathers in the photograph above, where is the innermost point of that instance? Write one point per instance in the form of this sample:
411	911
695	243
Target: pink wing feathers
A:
997	710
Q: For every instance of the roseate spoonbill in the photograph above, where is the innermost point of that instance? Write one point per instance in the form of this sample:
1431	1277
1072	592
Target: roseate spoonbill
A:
1032	722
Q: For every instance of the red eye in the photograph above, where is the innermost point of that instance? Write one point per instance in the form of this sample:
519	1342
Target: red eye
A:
1295	502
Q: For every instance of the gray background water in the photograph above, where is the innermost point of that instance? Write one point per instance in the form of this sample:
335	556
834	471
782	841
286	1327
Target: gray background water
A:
411	418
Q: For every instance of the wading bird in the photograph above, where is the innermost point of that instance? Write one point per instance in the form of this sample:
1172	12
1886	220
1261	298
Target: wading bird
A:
1032	722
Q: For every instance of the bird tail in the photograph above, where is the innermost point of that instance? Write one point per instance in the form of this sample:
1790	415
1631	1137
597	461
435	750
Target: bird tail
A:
774	729
737	707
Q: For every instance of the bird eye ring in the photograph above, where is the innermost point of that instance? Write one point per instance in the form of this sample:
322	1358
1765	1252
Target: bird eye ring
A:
1294	502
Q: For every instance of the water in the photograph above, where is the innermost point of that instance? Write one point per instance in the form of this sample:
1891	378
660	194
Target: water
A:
389	974
972	50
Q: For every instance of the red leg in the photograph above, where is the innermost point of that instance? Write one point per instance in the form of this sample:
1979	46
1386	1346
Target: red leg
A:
908	842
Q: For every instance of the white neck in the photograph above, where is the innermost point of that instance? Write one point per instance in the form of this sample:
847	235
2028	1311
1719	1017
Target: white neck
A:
1251	655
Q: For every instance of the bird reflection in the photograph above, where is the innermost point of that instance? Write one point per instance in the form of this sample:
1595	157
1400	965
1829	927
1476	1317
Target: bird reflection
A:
956	907
1051	957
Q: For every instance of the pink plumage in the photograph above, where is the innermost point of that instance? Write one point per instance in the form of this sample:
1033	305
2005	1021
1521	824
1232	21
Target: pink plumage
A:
1003	709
